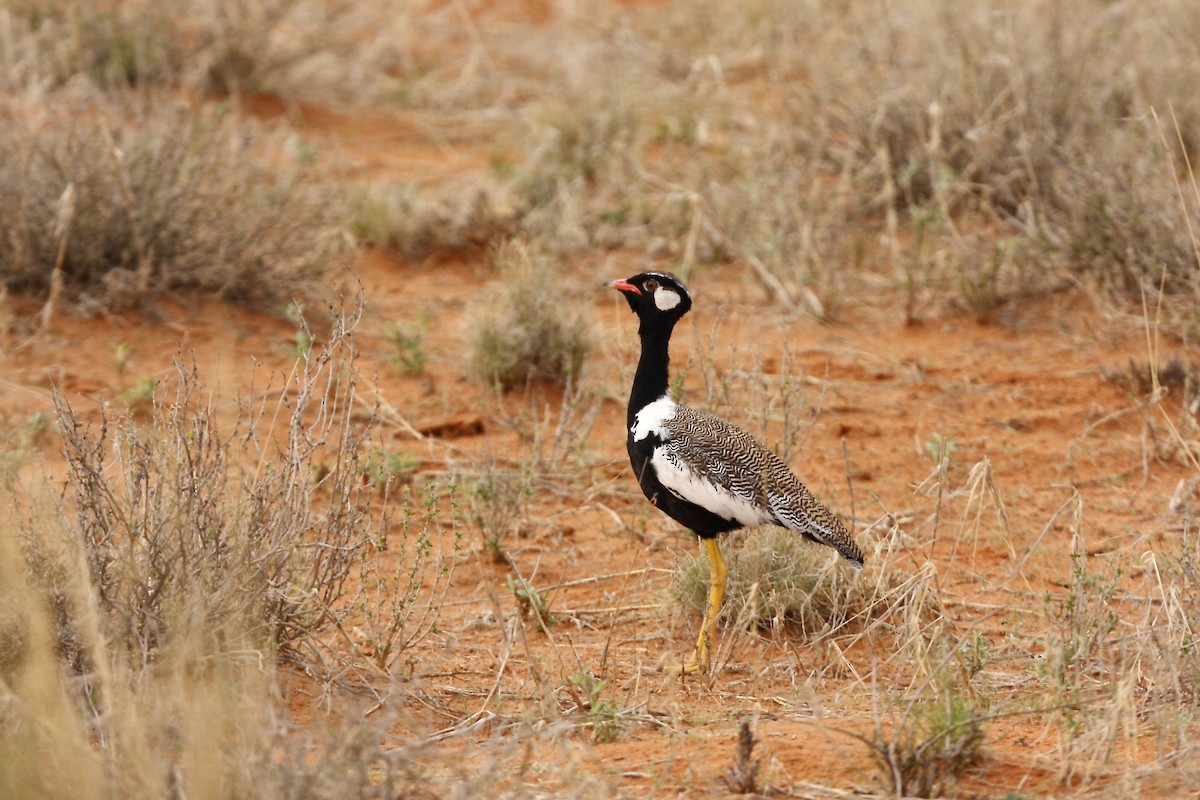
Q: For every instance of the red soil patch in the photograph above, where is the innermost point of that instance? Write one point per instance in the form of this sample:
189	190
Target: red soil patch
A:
1029	398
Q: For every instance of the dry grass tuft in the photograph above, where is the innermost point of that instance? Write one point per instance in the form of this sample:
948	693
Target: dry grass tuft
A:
777	578
168	198
296	49
532	329
396	219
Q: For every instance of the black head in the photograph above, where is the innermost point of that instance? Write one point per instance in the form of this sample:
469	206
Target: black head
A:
655	296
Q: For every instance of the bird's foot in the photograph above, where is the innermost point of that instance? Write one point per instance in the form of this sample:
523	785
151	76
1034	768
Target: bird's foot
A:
693	666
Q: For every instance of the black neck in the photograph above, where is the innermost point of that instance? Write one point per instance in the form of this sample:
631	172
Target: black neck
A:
651	379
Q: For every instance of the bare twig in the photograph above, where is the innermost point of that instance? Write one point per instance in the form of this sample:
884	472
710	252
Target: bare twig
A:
62	232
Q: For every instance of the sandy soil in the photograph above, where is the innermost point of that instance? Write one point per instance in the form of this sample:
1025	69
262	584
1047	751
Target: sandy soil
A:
1031	400
1077	464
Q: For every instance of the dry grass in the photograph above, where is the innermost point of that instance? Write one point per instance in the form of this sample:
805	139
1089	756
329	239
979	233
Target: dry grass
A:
121	202
970	155
297	49
532	328
398	220
778	579
960	156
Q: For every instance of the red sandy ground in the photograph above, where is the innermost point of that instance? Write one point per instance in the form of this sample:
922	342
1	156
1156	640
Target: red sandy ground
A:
1029	398
1026	394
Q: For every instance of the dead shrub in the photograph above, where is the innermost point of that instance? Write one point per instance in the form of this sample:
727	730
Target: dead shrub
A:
296	49
165	198
180	534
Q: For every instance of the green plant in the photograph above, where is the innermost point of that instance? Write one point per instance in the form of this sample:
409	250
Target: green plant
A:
400	610
1082	623
974	654
980	277
122	353
409	341
141	394
931	745
602	714
496	502
939	448
302	344
530	601
35	427
385	466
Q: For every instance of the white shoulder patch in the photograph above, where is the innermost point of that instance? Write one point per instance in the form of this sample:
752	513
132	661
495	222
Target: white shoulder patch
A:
653	418
666	299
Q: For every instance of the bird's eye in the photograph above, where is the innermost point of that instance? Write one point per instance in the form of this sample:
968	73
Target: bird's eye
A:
650	285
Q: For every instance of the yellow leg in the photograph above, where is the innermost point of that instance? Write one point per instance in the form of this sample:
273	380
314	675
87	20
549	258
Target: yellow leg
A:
718	572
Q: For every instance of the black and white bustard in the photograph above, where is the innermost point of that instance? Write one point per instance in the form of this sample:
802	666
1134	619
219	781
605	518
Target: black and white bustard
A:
705	473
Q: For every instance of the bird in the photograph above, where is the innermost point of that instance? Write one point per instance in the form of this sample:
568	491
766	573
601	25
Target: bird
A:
702	471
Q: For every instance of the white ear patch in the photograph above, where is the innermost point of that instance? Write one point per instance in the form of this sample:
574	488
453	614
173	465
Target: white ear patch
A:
666	299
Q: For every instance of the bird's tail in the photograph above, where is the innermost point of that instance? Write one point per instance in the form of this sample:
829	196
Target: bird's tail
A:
838	538
819	524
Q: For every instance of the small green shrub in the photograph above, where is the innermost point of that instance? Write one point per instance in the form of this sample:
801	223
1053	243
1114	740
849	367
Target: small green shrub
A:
602	713
533	327
385	466
530	601
496	503
930	746
409	341
1083	624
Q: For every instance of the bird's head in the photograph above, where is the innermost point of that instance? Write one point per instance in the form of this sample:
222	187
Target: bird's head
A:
655	296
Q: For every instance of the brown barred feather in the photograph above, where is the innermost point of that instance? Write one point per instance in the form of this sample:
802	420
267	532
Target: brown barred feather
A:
733	460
